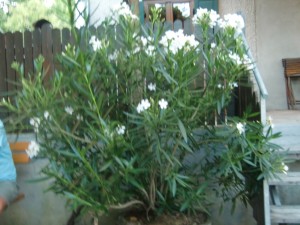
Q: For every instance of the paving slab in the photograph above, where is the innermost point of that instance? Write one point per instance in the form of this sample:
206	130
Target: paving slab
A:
288	123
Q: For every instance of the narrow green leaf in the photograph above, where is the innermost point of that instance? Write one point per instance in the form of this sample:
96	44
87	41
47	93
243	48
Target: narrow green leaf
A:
182	130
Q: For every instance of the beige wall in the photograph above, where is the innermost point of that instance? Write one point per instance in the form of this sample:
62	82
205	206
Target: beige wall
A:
278	32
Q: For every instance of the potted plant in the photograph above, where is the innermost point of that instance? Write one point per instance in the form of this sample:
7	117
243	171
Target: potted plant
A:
128	121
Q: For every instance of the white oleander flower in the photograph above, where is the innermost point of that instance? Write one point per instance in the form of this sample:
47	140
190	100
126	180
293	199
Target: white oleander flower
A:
213	18
46	115
235	57
233	85
79	117
114	56
69	110
285	168
200	14
143	105
33	149
270	122
150	50
144	41
204	15
96	43
220	86
121	10
35	122
152	87
234	21
163	104
240	127
248	62
120	129
213	45
175	41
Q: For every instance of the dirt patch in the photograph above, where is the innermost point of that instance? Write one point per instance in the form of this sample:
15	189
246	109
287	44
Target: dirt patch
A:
165	219
140	218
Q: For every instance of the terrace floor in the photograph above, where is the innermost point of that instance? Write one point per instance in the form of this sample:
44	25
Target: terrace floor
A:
288	123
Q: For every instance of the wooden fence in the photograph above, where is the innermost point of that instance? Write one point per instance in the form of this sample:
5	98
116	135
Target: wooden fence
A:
24	48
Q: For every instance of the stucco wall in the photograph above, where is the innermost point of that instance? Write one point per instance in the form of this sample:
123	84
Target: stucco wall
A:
278	32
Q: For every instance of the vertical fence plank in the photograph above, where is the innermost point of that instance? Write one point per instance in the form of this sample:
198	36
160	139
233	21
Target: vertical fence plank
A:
47	52
19	53
19	49
65	39
28	53
10	57
188	26
168	25
178	25
36	43
3	87
3	83
56	36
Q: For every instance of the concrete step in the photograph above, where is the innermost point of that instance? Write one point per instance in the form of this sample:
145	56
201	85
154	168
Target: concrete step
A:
275	211
290	178
285	214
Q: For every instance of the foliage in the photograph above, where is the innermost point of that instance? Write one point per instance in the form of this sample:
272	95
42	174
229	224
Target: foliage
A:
129	119
21	15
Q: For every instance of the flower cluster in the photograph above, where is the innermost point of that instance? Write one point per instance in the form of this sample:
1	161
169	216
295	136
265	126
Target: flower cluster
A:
122	10
69	110
234	21
143	105
96	43
176	41
240	127
35	123
163	104
152	86
33	149
204	16
120	129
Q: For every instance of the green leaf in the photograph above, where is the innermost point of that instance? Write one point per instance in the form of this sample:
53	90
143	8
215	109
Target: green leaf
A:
173	186
105	166
74	197
185	146
69	154
182	130
166	75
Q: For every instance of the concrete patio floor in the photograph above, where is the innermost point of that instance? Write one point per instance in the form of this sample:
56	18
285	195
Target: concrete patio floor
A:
288	123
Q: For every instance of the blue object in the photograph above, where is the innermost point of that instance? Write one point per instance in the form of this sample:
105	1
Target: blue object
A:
7	167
